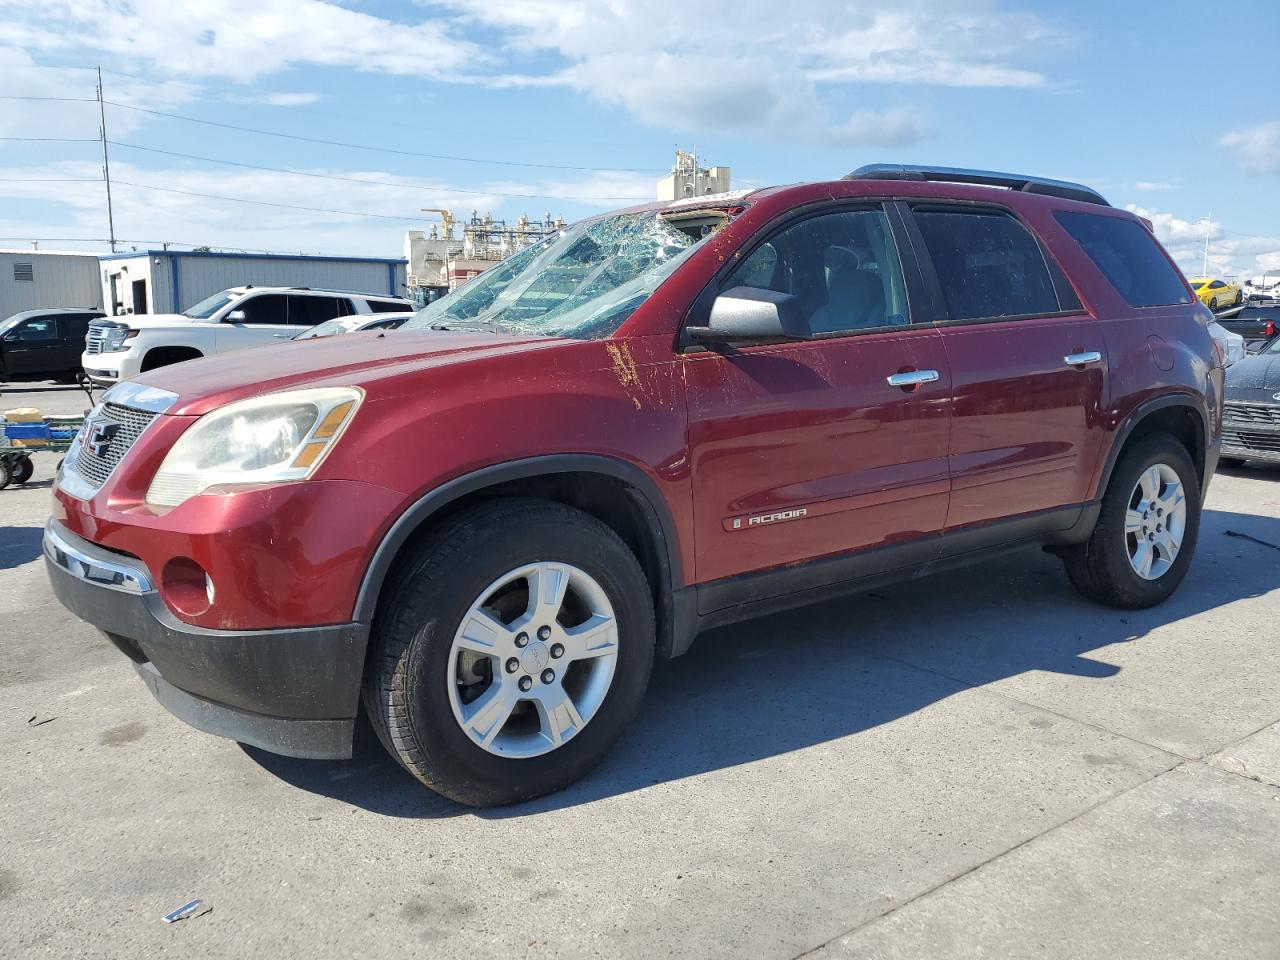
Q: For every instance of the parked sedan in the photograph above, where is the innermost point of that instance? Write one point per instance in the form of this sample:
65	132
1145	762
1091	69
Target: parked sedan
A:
1251	413
1263	289
1255	324
44	344
355	324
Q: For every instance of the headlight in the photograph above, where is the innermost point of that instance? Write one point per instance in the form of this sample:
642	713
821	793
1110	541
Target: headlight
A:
270	439
113	340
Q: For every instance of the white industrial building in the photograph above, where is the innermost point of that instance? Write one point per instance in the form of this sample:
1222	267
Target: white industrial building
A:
440	261
30	279
688	179
169	281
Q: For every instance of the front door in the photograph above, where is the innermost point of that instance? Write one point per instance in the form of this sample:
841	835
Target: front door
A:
1028	368
260	318
803	449
32	347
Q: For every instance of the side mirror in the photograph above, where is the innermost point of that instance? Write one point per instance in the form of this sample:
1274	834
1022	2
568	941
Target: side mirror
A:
749	313
235	316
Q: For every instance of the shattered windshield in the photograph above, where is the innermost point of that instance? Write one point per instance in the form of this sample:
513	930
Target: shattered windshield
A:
582	282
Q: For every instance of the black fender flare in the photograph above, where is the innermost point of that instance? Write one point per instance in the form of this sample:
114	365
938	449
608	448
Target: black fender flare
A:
674	614
1140	413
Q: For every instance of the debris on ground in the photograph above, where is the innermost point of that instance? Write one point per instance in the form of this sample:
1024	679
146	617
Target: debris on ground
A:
33	722
1248	536
195	908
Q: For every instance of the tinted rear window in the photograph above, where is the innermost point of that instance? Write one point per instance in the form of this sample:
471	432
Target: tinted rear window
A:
1128	256
388	306
987	264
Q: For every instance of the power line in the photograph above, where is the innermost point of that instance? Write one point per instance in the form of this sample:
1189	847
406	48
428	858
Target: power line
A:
265	203
51	99
50	139
364	180
50	179
376	149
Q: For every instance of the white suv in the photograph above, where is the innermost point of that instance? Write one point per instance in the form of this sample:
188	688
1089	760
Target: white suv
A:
119	348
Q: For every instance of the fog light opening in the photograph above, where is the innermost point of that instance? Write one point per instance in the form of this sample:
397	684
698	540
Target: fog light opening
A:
186	587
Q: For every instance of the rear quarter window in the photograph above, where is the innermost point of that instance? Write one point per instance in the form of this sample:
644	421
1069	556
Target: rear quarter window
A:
988	265
1128	256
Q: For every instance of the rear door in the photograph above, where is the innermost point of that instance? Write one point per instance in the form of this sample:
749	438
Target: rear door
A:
804	449
1028	367
308	310
72	330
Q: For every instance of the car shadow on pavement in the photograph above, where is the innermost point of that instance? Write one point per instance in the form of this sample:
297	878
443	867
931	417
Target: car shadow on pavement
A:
19	545
785	682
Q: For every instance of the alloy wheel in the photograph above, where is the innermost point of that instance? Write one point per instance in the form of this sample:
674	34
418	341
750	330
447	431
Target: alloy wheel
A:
1155	521
533	659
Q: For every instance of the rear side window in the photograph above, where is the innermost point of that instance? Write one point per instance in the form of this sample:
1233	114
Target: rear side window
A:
387	306
1128	256
988	265
307	311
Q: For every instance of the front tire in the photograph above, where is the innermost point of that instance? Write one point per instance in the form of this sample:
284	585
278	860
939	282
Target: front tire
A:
1147	529
1213	303
511	648
22	471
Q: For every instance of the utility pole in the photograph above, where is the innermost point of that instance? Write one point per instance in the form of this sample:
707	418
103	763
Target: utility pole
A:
1208	226
106	165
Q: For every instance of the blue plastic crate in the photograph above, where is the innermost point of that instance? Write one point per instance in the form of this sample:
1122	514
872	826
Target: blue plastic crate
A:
26	431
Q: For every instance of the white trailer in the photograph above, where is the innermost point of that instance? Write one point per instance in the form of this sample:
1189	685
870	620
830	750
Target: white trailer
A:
35	279
169	281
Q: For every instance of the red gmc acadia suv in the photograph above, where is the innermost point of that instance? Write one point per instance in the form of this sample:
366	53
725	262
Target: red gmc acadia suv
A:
486	524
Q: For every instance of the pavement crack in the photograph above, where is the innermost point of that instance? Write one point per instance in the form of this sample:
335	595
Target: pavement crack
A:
813	952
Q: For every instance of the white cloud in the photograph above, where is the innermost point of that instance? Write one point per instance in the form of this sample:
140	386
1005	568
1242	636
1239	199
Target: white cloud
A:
225	38
178	214
1151	185
684	67
1230	254
280	99
1257	149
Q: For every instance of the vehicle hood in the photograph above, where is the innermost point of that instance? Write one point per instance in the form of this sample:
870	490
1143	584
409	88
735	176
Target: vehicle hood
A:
144	321
367	360
1254	378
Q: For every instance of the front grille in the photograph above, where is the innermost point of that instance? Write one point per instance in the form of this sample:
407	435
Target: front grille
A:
1236	412
95	468
93	342
1240	439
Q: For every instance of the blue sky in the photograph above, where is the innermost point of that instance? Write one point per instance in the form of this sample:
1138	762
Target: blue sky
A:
571	108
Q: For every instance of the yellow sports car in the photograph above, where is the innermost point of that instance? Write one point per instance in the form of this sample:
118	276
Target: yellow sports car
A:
1215	293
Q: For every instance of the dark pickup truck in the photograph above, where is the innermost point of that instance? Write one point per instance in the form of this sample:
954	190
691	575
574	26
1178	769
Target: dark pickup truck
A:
1255	324
44	344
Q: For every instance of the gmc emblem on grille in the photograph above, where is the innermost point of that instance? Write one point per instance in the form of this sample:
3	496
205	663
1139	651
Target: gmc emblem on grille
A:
98	436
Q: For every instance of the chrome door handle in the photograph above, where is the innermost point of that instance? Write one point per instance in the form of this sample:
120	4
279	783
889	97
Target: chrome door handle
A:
912	379
1082	359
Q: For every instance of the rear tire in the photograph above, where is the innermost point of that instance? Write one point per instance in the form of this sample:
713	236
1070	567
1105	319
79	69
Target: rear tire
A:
1105	568
417	679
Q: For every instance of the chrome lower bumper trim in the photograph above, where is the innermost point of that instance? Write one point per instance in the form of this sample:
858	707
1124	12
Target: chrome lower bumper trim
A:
93	564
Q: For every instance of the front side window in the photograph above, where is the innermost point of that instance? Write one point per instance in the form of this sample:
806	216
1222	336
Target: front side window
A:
1129	257
39	328
265	308
583	282
843	267
988	265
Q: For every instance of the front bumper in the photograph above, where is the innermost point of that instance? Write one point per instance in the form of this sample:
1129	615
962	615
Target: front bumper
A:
289	691
108	368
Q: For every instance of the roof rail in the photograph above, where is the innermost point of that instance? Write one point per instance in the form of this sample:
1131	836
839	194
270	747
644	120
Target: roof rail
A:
990	178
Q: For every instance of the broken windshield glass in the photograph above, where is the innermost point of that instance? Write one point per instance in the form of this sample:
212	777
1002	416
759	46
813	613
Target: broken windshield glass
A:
583	282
